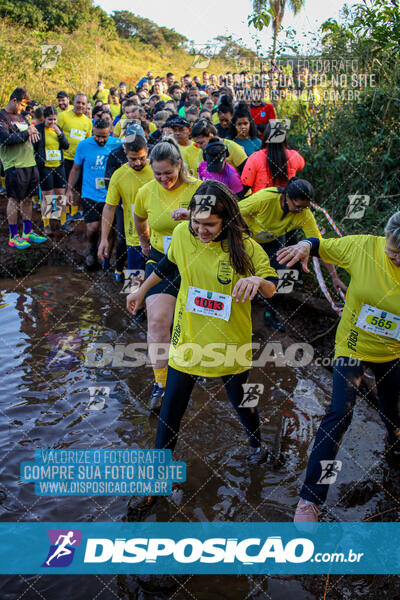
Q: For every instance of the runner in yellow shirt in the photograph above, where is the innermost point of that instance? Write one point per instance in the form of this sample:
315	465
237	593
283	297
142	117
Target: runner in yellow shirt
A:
157	211
76	127
368	335
213	310
125	183
274	213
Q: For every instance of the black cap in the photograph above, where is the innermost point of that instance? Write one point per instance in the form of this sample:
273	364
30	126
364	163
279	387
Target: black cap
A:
62	95
215	153
177	121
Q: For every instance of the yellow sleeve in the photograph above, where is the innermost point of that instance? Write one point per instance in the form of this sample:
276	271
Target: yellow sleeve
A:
139	207
260	260
89	131
113	192
237	155
309	224
341	251
253	204
117	129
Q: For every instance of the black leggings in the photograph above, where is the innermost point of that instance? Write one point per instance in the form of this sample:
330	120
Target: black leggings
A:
176	399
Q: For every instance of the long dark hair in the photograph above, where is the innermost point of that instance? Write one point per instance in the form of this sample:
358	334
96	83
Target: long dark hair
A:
240	112
276	158
233	224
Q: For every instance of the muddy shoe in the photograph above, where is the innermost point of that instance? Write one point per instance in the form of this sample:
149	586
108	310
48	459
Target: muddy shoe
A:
138	509
156	398
306	512
258	455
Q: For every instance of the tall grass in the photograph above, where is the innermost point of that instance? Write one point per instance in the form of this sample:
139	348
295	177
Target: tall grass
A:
87	54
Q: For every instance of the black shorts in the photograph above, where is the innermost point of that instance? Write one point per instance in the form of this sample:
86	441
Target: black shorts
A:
92	210
22	183
52	178
68	164
167	285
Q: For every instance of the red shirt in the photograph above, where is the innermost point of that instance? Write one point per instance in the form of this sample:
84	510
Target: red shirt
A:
256	173
263	113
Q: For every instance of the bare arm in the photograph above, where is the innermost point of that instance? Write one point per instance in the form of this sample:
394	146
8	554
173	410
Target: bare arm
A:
142	228
106	223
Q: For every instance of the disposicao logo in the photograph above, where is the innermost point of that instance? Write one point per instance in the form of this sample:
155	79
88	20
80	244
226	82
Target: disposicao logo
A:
62	547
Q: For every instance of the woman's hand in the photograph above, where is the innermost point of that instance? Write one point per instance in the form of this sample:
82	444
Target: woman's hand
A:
338	284
180	214
290	255
246	288
134	301
56	129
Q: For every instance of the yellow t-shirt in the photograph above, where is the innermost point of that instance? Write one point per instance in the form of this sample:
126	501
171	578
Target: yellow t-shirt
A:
374	281
207	267
118	127
152	127
76	129
263	214
124	183
155	204
103	95
192	155
237	155
115	109
52	148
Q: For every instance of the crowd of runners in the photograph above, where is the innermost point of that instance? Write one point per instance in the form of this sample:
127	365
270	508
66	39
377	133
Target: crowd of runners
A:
192	185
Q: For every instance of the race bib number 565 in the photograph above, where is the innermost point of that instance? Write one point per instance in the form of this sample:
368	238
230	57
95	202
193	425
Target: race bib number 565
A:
378	321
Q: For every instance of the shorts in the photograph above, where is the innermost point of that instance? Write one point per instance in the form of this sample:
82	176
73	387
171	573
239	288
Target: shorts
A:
167	285
92	210
68	164
136	259
52	178
22	182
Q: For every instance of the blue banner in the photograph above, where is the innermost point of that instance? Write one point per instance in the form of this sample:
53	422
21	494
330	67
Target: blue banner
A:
199	548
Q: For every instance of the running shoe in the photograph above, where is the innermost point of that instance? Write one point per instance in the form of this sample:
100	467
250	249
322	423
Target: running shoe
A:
156	398
258	455
273	321
76	217
18	242
66	228
34	237
306	512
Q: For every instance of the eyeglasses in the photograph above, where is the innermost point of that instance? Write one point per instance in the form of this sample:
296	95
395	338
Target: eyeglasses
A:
296	207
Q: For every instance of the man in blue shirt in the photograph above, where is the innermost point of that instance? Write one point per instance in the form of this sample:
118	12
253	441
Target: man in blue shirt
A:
91	157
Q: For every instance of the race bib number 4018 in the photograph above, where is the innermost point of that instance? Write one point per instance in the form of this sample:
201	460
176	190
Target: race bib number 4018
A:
210	304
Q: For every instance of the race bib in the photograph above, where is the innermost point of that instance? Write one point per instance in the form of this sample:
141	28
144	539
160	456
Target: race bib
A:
21	126
100	183
53	155
376	320
210	304
166	242
77	134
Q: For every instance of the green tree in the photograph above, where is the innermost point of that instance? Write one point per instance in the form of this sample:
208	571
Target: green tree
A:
276	8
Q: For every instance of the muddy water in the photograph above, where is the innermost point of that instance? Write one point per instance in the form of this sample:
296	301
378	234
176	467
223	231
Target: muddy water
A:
45	404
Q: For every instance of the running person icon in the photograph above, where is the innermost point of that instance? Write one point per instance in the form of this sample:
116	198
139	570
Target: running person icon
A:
62	549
